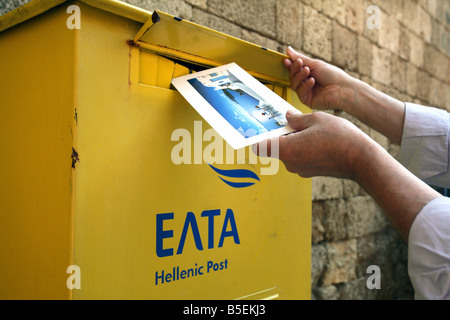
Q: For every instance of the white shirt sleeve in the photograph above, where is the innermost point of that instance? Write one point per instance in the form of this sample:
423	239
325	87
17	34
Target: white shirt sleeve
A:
429	251
425	144
425	152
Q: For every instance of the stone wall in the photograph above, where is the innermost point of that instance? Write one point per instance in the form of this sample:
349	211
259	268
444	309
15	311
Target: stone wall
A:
407	58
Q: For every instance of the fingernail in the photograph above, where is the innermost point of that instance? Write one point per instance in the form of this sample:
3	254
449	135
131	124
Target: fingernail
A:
292	112
291	49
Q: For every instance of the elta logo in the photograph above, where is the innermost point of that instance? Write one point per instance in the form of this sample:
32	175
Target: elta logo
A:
242	175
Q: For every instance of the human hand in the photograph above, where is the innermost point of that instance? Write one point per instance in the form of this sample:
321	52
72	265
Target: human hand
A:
318	84
324	145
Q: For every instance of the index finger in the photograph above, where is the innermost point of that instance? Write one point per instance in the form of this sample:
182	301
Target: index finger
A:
293	55
287	63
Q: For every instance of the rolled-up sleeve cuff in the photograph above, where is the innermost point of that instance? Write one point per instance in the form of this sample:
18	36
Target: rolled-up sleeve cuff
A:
424	148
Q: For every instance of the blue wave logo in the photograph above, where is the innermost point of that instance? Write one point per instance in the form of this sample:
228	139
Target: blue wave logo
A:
241	174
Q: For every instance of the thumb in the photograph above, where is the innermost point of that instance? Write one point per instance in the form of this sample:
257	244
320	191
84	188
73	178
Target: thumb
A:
297	120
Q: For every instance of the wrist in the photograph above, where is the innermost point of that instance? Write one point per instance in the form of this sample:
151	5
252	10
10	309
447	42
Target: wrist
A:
375	109
350	93
370	158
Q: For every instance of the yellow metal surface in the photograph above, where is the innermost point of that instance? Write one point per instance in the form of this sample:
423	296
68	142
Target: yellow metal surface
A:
120	8
137	225
185	40
37	7
36	178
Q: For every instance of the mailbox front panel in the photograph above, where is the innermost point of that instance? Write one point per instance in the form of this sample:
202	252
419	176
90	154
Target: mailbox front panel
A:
160	210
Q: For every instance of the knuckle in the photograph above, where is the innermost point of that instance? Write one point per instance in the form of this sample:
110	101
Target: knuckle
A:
317	116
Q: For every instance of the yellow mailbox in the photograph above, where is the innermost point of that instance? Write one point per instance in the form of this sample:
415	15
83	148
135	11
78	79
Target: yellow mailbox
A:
92	203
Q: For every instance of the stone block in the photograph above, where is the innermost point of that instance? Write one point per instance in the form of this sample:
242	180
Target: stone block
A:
335	9
437	94
417	50
404	50
10	5
423	86
364	217
316	4
447	96
255	15
342	262
202	4
398	73
357	290
260	40
317	229
443	12
390	34
411	79
393	8
437	34
365	56
317	30
354	15
430	6
381	65
411	16
216	23
344	47
289	22
335	220
352	189
425	26
324	188
325	293
374	249
437	64
319	261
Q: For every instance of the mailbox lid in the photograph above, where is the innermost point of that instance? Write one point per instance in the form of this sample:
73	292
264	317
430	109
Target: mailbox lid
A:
171	36
178	38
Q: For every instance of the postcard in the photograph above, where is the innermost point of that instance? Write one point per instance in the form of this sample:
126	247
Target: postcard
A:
241	109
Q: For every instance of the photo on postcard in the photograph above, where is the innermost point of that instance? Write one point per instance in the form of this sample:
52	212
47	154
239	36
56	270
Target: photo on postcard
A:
239	107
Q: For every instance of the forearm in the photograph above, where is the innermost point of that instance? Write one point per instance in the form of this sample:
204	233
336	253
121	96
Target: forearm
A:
399	193
376	109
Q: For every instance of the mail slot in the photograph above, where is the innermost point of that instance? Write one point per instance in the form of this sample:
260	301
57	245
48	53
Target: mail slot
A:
94	203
